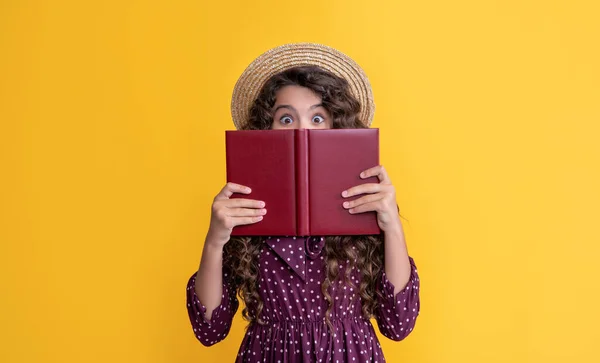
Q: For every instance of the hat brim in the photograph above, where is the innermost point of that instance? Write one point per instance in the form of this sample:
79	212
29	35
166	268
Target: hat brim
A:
289	56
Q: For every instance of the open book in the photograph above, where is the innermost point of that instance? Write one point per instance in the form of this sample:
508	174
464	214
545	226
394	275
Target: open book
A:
300	175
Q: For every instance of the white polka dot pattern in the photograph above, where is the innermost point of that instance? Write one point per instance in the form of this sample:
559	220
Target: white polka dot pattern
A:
290	276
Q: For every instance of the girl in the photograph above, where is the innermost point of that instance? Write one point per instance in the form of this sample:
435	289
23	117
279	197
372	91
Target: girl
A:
308	299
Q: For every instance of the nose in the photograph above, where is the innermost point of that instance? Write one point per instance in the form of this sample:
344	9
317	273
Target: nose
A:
305	124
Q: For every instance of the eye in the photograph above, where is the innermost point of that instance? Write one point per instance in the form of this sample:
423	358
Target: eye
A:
286	120
317	119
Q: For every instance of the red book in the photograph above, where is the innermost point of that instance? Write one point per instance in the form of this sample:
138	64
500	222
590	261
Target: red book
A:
300	175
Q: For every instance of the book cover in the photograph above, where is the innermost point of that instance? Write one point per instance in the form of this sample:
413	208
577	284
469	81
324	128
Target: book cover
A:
300	175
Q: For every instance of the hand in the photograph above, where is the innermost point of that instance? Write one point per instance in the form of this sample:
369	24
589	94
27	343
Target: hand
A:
227	213
381	198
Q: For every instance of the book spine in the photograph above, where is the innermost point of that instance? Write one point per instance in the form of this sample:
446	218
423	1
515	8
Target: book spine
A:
302	207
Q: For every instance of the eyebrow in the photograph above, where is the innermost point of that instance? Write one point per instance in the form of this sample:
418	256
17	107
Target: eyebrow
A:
289	107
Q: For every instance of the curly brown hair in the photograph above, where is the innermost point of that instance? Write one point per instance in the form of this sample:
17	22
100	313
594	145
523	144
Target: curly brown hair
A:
365	253
334	92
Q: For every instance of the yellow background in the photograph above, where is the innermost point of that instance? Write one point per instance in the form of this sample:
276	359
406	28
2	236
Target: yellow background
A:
111	149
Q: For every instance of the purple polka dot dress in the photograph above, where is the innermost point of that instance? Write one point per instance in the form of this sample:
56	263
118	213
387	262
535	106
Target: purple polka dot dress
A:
295	330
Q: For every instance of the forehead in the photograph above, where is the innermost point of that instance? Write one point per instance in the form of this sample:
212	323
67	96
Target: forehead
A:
296	95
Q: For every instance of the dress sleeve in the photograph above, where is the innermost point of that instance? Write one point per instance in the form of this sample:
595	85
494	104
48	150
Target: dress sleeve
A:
213	330
396	315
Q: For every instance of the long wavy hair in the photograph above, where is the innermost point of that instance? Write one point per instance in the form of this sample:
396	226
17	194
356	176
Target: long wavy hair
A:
365	253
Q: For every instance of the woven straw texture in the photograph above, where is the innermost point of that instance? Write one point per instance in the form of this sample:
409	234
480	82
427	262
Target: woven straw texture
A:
293	55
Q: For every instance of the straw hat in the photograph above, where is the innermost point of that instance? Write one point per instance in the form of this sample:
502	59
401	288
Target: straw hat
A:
289	56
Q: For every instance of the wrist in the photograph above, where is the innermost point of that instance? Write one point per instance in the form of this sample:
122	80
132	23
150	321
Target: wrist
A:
394	229
214	241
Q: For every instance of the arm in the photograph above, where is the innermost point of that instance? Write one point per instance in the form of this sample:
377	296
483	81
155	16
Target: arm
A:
398	304
211	327
209	278
211	297
397	312
396	260
211	294
381	198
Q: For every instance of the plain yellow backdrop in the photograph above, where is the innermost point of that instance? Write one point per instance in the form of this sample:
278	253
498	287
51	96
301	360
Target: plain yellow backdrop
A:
112	119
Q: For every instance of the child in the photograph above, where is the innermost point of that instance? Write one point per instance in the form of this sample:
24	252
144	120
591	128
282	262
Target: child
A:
308	299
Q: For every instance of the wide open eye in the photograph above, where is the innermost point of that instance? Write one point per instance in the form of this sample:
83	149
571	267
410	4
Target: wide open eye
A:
318	119
286	120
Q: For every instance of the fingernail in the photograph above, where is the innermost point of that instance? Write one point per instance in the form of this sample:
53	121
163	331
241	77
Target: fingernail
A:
262	204
362	175
344	193
248	190
263	211
259	218
346	204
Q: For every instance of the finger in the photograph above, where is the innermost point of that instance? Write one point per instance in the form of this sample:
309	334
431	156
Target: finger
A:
241	221
378	171
246	212
370	172
243	203
362	200
362	189
367	207
231	188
